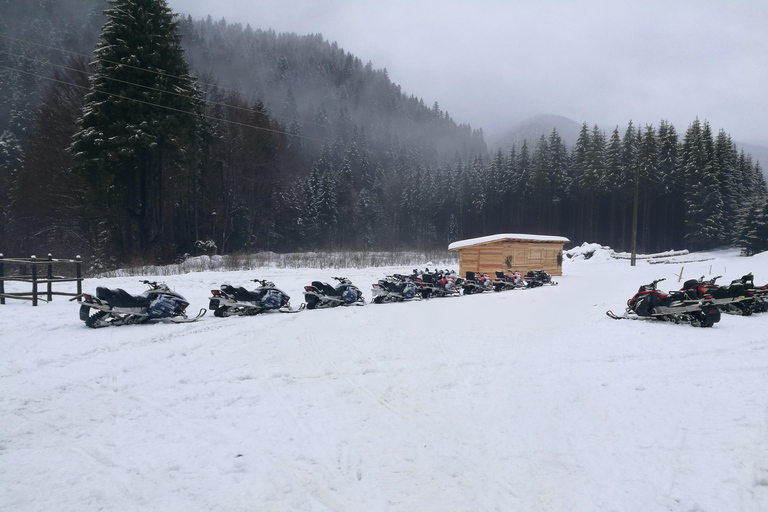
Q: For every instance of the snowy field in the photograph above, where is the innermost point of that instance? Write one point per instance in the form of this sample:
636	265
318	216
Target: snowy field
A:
527	400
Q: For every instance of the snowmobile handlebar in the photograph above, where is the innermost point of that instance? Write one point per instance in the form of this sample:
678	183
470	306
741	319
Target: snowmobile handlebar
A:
151	284
711	281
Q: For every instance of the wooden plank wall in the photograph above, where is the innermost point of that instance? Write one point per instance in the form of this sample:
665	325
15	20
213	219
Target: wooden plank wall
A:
490	257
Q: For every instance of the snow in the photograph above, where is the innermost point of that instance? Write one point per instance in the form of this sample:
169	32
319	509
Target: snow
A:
527	400
589	250
504	236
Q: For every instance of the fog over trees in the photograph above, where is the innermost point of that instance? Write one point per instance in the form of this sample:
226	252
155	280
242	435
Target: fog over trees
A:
192	136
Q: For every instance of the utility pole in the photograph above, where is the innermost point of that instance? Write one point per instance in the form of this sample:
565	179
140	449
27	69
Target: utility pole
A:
633	259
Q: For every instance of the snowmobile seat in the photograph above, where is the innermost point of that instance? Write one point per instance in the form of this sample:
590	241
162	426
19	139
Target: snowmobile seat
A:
119	298
396	287
500	275
470	275
691	284
239	293
326	288
243	294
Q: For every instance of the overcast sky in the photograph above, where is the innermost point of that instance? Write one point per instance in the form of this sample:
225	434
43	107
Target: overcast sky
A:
493	63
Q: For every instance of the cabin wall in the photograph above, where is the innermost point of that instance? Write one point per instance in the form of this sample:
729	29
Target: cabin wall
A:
524	256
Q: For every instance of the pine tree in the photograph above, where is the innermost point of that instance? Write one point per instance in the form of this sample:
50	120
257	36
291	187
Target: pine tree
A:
629	146
558	169
522	186
581	182
541	186
138	126
754	234
672	187
648	157
703	201
611	183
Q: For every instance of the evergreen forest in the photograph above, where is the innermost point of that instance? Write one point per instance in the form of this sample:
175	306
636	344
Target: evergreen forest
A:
187	136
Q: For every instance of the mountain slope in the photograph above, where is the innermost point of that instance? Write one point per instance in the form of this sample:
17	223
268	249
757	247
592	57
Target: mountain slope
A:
322	90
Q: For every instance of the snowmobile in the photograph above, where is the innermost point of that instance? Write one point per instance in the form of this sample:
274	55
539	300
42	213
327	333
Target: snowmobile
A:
512	281
231	300
476	284
322	295
678	307
536	278
440	283
395	288
741	297
759	293
733	299
118	307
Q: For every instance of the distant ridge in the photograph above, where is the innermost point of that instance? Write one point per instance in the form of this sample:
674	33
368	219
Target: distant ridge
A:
533	128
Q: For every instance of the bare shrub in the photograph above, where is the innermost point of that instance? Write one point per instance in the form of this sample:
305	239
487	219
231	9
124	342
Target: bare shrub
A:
319	260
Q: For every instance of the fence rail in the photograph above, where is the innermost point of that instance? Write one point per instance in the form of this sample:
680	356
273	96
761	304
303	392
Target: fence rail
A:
35	279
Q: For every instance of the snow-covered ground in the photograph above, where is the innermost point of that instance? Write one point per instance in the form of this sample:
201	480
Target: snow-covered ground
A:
517	401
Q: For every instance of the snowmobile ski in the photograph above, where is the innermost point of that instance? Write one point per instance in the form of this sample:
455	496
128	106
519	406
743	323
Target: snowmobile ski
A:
186	320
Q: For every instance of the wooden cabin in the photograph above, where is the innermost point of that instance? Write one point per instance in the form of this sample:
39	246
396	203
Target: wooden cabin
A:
511	252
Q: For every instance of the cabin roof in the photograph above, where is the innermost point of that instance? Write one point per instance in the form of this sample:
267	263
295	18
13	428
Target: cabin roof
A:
518	237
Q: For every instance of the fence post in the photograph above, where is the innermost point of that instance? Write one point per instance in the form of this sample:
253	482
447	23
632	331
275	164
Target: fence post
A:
50	277
79	275
2	280
34	280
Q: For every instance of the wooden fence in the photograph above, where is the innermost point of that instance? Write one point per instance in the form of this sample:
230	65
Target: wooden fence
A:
36	280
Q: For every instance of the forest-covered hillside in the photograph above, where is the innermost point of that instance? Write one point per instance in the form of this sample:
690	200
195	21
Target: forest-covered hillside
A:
193	136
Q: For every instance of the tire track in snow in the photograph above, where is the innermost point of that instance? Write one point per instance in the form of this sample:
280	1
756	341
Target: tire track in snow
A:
133	497
407	421
306	477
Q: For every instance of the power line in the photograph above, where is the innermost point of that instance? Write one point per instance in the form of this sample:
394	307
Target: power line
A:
74	70
206	116
138	68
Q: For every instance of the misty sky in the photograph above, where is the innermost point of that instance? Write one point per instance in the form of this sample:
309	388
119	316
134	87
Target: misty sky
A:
493	63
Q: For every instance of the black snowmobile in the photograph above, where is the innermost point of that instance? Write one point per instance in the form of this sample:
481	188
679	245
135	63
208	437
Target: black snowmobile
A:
512	281
733	299
536	278
476	283
323	295
118	307
395	288
236	300
439	283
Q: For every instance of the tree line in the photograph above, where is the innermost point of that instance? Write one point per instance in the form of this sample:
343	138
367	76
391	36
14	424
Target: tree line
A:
289	143
697	192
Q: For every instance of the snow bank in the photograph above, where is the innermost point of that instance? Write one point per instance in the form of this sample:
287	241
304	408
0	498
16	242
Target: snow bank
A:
597	252
587	251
